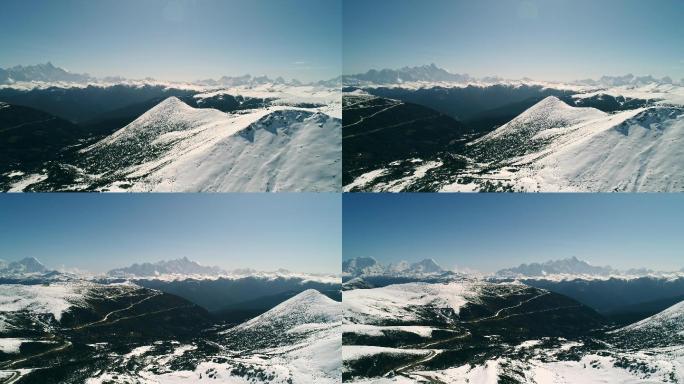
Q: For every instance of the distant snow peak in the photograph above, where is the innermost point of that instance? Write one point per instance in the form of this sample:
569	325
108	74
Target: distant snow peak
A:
361	266
358	265
570	266
248	80
28	265
40	72
49	73
627	80
429	72
182	266
426	266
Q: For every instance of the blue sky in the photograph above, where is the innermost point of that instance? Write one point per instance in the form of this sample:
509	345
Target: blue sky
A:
541	39
298	231
176	39
488	232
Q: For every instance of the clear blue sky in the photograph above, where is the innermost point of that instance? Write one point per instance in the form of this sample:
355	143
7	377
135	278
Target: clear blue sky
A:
488	232
176	39
298	231
541	39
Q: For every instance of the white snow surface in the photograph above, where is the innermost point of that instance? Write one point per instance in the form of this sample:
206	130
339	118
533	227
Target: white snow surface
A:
11	345
355	352
378	330
393	302
273	149
364	179
26	181
590	369
52	299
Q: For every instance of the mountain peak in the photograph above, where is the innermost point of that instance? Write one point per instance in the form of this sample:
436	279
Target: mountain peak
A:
25	265
551	112
170	102
309	306
551	101
171	114
426	266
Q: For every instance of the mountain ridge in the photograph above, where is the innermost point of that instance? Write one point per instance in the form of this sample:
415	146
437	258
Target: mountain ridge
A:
177	266
363	266
48	72
433	73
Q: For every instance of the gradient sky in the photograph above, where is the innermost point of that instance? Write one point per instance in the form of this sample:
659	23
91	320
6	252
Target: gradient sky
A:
176	39
298	231
488	232
541	39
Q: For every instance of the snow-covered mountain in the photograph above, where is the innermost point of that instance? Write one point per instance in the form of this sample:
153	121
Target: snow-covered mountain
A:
308	307
514	136
174	147
628	79
517	136
47	75
368	266
166	267
40	72
358	265
425	266
28	265
180	270
665	328
432	75
555	147
298	341
407	74
569	266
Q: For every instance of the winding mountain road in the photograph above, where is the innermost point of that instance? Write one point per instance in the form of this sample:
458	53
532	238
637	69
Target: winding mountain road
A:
106	317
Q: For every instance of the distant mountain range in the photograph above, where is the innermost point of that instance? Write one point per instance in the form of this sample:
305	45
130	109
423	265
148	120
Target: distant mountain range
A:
360	266
41	72
176	268
433	73
49	73
407	74
179	266
570	266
